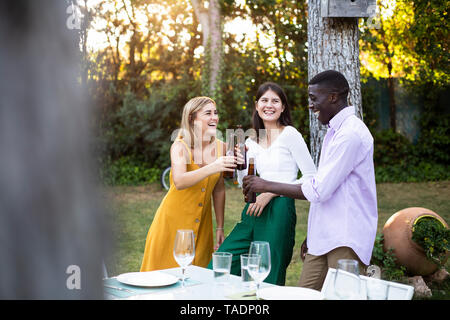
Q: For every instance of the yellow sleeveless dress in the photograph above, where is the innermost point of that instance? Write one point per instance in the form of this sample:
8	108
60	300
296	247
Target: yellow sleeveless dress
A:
189	208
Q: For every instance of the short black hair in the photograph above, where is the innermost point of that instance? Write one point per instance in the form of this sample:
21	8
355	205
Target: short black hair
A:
333	81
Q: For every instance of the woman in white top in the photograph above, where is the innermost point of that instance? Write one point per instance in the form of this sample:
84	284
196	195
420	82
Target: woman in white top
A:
279	152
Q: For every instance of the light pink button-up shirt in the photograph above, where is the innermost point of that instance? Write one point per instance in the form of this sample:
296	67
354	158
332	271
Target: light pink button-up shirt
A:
343	210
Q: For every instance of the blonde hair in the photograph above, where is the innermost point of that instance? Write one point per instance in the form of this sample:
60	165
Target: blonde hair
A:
187	132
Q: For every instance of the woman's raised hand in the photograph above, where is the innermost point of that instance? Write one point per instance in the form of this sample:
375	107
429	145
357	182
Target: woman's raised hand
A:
224	163
239	156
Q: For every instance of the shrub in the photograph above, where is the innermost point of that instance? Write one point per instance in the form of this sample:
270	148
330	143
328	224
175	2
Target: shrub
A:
398	160
386	260
433	237
434	141
391	148
407	172
128	171
142	128
136	130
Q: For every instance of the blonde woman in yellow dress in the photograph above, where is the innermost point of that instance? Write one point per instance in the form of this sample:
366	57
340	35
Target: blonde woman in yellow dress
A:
197	160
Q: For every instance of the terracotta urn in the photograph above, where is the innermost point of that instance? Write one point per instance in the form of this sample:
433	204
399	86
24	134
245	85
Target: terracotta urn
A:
398	235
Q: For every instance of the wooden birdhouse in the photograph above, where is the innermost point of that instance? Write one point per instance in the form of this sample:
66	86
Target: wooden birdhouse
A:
348	8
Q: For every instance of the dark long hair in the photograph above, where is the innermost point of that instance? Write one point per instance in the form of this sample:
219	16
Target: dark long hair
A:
285	117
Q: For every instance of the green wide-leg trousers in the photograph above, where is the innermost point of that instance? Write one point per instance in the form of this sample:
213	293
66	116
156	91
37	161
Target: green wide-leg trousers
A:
276	225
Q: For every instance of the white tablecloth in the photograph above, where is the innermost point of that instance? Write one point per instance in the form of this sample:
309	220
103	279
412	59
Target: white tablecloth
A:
202	287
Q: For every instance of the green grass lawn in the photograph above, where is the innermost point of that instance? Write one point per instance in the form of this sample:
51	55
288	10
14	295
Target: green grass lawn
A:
132	210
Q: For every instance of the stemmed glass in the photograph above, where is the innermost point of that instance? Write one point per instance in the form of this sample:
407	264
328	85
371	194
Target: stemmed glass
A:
259	262
347	284
184	250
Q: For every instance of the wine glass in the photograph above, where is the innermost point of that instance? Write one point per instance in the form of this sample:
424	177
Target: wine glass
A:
259	262
184	250
347	284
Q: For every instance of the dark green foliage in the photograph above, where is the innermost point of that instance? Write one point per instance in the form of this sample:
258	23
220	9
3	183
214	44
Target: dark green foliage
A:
390	148
142	129
424	171
435	139
387	262
284	62
433	237
398	160
128	171
140	93
430	32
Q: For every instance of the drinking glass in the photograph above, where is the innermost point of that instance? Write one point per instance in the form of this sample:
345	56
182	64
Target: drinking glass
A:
347	284
246	278
221	266
184	250
259	263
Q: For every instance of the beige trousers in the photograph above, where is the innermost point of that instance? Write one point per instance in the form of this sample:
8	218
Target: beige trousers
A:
315	268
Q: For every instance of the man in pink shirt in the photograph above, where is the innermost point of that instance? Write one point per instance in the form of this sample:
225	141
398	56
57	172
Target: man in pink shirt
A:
343	214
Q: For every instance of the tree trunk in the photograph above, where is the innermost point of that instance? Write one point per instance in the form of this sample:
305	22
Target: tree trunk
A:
210	20
392	104
215	47
390	81
332	44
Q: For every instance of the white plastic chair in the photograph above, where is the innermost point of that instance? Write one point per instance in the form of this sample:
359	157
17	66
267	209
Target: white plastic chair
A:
397	291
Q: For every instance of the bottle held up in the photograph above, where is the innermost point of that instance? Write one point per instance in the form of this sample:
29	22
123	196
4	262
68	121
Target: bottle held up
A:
230	152
251	196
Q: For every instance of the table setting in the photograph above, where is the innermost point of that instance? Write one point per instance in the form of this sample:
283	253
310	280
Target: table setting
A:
150	284
190	282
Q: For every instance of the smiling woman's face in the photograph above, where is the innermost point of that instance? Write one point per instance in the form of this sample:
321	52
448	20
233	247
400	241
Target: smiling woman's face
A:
269	106
208	118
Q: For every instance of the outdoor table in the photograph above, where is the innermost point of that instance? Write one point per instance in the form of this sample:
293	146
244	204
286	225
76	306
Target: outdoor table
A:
199	285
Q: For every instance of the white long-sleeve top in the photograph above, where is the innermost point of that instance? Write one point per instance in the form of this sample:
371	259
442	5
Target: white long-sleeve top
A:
282	160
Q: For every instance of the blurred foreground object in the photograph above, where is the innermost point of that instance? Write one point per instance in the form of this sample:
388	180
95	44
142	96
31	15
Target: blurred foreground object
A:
51	221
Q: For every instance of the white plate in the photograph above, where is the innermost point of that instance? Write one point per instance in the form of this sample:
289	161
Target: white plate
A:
290	293
147	279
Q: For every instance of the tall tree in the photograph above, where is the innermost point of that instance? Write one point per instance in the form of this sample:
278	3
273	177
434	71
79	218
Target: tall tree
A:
211	22
332	44
387	47
430	32
273	48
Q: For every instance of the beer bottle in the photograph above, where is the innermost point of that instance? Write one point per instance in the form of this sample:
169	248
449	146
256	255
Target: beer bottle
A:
230	152
251	196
